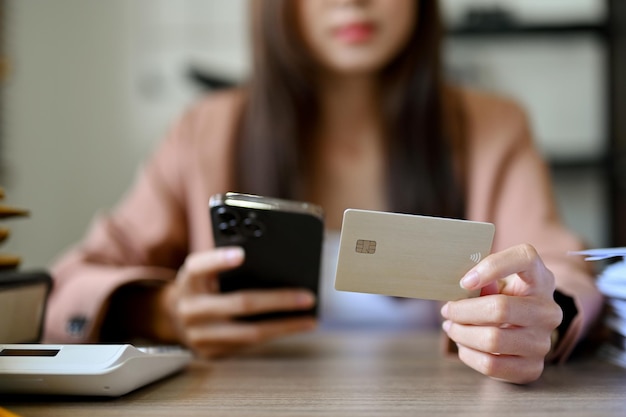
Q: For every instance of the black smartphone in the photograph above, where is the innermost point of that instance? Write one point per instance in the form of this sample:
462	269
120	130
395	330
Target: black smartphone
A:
282	240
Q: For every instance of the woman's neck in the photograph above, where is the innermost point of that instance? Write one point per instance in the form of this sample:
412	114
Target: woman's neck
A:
348	161
349	107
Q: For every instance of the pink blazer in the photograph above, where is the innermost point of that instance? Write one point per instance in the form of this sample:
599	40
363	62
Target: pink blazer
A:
164	216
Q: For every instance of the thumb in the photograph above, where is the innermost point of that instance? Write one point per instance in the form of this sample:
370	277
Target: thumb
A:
522	261
201	267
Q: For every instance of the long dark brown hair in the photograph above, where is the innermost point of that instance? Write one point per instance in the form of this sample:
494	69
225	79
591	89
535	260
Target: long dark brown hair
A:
282	110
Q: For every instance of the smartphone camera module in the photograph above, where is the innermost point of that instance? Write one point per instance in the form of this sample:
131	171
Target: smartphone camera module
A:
252	227
227	221
238	225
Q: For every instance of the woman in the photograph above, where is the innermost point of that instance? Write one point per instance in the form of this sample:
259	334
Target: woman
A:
346	107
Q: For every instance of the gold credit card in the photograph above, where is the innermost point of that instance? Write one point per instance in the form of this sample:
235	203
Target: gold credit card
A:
408	255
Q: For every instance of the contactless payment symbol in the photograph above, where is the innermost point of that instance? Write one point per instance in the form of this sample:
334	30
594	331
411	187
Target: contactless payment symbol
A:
365	246
475	257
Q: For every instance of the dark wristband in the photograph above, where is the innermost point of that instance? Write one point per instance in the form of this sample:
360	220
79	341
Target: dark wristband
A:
568	306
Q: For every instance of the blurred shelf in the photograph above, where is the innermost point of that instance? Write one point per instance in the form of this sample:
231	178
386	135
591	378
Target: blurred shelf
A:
490	30
578	164
10	211
208	80
496	22
9	262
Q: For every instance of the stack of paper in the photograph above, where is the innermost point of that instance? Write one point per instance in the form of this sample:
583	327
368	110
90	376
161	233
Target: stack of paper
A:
612	283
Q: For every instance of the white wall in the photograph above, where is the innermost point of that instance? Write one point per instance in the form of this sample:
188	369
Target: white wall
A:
67	121
94	85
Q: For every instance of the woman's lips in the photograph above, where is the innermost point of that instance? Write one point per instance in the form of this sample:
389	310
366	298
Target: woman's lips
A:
355	33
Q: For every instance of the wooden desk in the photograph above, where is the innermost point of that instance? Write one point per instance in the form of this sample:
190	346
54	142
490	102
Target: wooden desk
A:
353	374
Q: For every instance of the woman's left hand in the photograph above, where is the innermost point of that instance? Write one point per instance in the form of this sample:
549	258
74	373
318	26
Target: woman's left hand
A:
506	332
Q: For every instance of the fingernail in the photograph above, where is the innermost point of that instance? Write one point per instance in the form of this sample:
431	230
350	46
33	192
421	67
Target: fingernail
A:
233	255
470	280
305	299
446	325
444	310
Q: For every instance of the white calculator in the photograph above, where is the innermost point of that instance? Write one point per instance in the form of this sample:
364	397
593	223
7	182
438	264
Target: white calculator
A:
85	369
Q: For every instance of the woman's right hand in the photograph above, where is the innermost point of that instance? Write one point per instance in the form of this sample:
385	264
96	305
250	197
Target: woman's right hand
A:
206	321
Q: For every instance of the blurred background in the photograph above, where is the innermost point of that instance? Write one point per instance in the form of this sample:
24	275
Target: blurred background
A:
89	87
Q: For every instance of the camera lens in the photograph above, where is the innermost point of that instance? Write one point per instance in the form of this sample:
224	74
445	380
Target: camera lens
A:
227	229
252	227
227	221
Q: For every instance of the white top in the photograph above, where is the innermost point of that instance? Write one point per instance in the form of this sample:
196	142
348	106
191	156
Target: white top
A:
341	309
